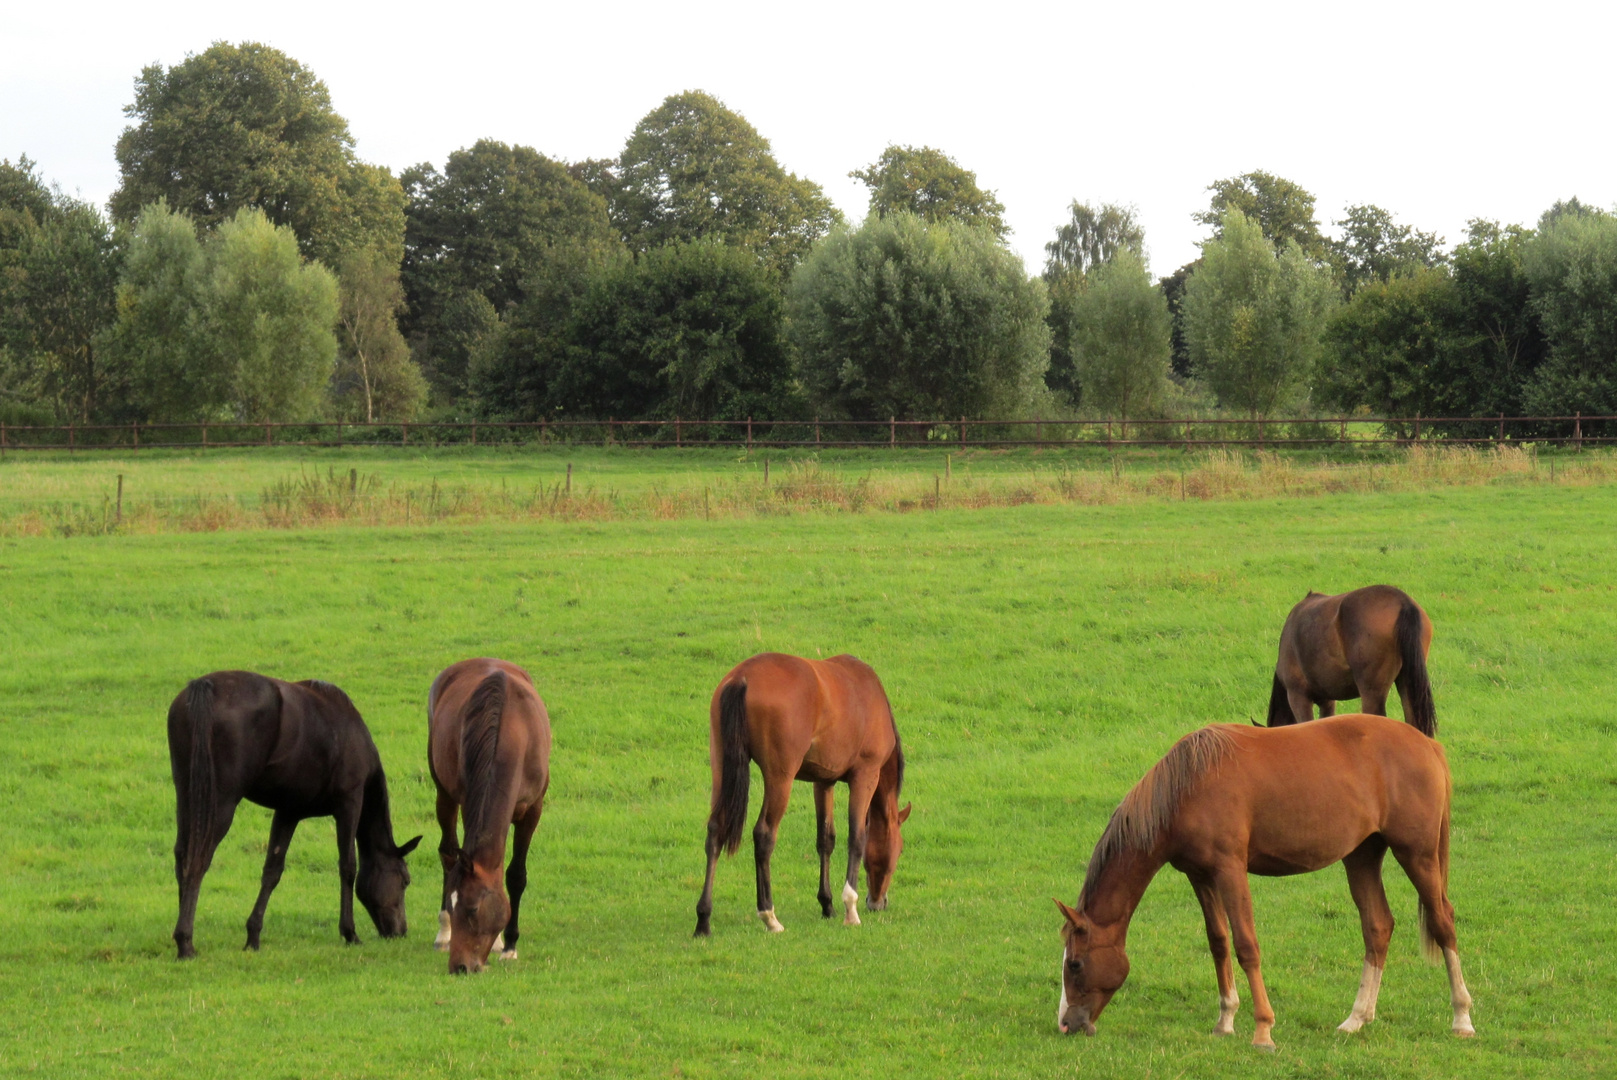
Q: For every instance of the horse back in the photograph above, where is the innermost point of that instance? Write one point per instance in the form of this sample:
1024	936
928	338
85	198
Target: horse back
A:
816	719
524	739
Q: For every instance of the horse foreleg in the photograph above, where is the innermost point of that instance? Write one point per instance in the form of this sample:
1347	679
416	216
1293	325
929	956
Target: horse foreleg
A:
1237	901
282	826
516	877
1302	706
1375	919
347	867
1327	708
1218	943
1373	699
448	854
777	791
189	876
825	839
861	786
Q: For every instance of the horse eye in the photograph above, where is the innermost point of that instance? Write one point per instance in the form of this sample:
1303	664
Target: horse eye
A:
1075	966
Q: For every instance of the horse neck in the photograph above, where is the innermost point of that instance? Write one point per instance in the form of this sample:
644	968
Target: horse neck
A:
375	818
1119	887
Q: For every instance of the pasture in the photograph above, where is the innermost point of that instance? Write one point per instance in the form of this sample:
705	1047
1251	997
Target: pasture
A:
1039	658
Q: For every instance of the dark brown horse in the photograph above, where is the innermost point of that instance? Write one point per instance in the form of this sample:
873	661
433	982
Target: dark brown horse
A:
1230	800
1355	645
820	720
489	752
301	750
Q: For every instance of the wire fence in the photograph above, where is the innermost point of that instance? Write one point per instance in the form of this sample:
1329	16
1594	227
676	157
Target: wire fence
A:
1300	432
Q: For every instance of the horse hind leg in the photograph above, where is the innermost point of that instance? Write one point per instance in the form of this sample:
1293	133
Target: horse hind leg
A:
825	841
1375	919
1437	930
777	792
1302	706
1218	943
189	877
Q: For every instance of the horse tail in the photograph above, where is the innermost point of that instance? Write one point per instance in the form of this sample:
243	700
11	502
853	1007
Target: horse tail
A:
1413	683
1279	705
199	777
735	772
1428	944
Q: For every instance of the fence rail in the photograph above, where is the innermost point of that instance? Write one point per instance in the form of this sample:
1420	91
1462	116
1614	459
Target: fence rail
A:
1575	430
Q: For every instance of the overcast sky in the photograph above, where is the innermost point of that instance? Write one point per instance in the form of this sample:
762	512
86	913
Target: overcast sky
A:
1438	112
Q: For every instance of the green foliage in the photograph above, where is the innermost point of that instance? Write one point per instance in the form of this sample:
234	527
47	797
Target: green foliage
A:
477	233
1393	348
1122	338
1500	326
1173	290
1253	318
1065	293
1284	211
246	126
1091	237
58	263
931	185
909	318
1374	247
694	169
1572	265
376	378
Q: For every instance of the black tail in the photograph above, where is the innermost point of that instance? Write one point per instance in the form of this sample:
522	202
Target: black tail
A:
1280	705
199	780
735	772
479	752
1413	685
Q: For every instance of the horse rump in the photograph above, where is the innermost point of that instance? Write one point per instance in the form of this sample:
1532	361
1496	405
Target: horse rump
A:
1414	685
735	772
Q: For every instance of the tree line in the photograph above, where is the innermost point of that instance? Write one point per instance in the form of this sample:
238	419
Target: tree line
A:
250	267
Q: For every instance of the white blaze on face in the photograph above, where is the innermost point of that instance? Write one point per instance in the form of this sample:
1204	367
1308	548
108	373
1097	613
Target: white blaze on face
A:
1061	1010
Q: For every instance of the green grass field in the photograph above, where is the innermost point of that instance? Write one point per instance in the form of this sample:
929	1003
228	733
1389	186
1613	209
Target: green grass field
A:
1039	659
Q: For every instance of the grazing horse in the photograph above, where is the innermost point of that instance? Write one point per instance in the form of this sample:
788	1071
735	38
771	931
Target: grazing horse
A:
819	720
1354	645
489	752
301	750
1230	800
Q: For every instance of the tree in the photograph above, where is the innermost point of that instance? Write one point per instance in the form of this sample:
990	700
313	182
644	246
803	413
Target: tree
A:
1502	337
694	169
1395	348
690	330
1572	267
270	318
376	378
1091	237
931	185
1173	290
475	234
910	318
58	264
1374	247
1122	338
1254	316
247	127
1284	211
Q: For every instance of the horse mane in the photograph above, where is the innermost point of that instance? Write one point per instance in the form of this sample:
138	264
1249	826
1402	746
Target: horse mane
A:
898	755
479	749
1148	808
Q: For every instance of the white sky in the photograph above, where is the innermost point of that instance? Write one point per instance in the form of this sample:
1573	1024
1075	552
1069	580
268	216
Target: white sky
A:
1438	112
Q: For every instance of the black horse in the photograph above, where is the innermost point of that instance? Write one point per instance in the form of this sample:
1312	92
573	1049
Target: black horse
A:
301	750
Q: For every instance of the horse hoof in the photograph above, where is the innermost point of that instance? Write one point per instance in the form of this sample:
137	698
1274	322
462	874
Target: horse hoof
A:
508	954
1350	1025
1465	1033
1269	1046
771	923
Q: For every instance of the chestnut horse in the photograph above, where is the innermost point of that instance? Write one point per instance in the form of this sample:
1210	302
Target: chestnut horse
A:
302	750
489	753
1230	800
820	720
1355	645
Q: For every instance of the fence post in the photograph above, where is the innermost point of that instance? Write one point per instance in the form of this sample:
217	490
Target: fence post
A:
679	438
1501	427
120	499
816	431
266	435
609	423
2	438
474	432
749	434
1577	431
1038	430
1108	433
71	441
892	432
204	435
1342	438
1417	427
962	431
404	434
134	431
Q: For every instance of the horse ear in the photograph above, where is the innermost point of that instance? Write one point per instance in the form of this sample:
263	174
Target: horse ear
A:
409	846
904	814
1071	916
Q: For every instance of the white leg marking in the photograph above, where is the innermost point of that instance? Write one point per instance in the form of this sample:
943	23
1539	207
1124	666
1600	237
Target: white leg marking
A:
442	941
771	923
1364	1006
850	904
1459	996
499	947
1226	1013
499	942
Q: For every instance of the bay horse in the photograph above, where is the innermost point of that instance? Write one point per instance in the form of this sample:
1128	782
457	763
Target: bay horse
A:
489	753
826	721
1229	800
302	750
1354	645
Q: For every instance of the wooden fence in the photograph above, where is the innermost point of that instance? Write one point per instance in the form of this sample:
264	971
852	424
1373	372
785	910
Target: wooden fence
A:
1344	431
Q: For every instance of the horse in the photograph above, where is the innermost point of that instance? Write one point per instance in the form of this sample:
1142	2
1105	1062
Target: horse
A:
302	750
489	753
1356	644
1230	800
820	720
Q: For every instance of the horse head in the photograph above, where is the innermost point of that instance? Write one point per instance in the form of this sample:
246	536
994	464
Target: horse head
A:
884	841
1093	966
478	917
383	877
